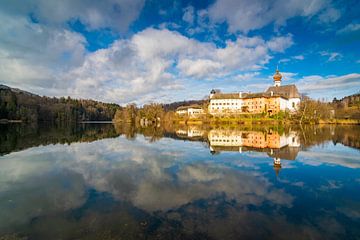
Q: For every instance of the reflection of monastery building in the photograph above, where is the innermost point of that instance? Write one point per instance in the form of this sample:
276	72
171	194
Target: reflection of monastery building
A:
191	111
275	145
191	132
252	139
274	99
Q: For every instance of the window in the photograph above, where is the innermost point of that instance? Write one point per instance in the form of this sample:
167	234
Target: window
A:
293	104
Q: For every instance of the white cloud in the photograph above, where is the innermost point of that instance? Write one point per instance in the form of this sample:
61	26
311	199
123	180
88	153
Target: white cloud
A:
153	61
198	68
352	27
284	60
288	76
116	14
333	56
329	15
189	15
47	58
246	76
334	85
299	57
34	55
279	44
247	15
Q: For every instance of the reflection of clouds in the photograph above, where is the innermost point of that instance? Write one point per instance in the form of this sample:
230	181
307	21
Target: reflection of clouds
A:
138	172
166	175
316	158
202	182
351	211
147	175
199	173
330	185
40	194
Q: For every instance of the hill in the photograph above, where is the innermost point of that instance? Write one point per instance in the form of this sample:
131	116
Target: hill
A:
173	106
16	104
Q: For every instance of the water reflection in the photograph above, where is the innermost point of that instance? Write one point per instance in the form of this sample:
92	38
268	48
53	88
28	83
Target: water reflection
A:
284	146
165	184
15	137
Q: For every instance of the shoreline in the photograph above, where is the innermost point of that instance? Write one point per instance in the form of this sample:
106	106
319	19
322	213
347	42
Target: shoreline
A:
228	121
4	121
235	121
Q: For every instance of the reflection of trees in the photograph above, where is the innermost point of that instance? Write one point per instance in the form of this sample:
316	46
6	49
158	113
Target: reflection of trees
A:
152	132
16	137
129	130
318	134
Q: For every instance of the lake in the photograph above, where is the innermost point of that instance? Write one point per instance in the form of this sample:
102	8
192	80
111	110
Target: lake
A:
100	181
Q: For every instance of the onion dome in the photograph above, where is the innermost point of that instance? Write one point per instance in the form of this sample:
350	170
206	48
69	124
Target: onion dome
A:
277	76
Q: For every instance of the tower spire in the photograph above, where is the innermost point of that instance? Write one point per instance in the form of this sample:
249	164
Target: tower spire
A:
277	77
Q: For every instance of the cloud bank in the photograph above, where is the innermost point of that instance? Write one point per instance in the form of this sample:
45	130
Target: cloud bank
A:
41	51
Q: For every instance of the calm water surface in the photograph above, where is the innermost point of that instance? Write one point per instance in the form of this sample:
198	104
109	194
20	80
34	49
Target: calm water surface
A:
99	181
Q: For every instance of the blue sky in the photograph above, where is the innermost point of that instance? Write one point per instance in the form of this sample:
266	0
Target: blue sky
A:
161	51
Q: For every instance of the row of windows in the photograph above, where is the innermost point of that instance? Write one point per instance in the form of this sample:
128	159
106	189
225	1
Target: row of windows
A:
225	103
240	103
252	107
221	140
213	108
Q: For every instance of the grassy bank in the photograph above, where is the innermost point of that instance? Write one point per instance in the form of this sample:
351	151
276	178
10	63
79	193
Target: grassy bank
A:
262	121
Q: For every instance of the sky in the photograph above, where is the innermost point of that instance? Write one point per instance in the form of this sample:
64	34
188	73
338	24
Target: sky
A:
142	51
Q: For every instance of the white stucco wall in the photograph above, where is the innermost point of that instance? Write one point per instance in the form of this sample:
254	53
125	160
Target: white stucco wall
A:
293	139
224	105
225	138
181	112
195	111
290	105
283	104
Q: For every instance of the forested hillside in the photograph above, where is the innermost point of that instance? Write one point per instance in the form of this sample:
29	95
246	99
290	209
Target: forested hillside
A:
16	104
173	106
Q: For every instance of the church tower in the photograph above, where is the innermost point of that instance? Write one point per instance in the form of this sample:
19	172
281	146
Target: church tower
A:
277	78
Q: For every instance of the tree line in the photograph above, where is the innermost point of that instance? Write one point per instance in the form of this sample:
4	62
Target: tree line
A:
149	113
21	105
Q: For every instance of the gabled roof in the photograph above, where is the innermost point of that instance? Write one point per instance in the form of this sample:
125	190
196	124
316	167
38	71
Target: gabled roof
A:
226	96
245	95
288	91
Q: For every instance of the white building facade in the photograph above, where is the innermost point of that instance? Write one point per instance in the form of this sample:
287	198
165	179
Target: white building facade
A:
190	111
274	99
